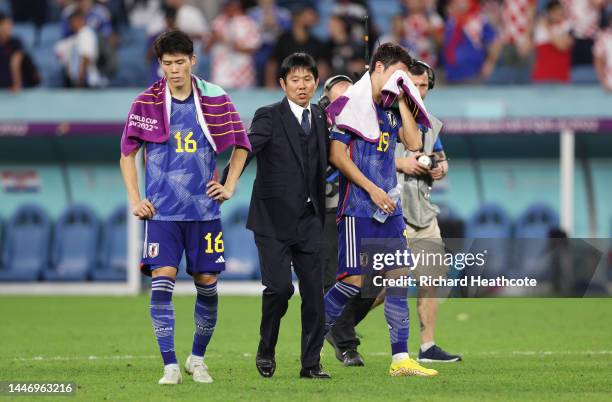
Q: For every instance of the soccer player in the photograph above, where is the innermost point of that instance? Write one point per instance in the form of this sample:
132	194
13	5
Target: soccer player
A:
367	175
182	122
342	336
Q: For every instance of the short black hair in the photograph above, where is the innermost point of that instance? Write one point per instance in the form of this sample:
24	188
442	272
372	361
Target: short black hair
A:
551	4
173	42
3	16
389	54
295	61
417	69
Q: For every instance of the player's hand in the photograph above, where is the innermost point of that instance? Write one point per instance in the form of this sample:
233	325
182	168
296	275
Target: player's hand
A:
437	173
410	166
144	209
382	200
402	101
218	192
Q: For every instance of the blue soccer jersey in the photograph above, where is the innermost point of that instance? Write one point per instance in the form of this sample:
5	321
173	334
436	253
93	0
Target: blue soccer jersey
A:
177	171
376	160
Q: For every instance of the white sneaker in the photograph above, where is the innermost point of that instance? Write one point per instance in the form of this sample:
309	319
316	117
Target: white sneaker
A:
198	369
172	375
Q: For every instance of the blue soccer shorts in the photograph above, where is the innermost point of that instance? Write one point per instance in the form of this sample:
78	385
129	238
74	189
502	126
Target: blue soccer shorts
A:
201	241
352	230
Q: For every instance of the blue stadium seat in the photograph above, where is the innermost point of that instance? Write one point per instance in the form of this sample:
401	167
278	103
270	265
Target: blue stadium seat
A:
241	258
51	33
26	33
489	221
536	221
26	245
75	245
113	258
584	75
490	228
531	249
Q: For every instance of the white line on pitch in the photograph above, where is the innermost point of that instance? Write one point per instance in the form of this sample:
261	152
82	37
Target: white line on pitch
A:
517	353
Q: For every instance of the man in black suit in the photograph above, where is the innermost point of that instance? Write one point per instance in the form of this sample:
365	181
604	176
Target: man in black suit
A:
287	210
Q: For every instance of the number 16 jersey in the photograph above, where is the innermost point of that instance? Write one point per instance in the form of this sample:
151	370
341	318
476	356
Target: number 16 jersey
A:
177	171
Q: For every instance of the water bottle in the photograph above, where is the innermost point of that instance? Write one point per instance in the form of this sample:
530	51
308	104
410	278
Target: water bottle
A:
395	193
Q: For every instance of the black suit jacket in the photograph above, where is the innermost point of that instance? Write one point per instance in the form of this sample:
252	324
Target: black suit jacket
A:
278	197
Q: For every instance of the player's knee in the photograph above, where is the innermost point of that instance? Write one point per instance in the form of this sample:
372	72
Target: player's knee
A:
205	279
164	271
354	280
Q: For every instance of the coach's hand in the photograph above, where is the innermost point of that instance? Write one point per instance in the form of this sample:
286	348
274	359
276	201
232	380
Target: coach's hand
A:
410	166
382	199
218	192
144	209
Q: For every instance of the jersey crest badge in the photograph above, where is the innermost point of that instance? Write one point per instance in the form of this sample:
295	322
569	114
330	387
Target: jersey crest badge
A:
153	250
392	118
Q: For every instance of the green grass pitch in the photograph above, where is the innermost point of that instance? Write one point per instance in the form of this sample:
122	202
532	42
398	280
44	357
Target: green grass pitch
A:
514	349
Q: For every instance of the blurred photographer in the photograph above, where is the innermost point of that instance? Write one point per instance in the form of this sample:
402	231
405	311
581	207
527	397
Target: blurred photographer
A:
417	171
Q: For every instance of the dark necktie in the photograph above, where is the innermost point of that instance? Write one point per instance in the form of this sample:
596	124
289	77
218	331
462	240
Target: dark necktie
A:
306	121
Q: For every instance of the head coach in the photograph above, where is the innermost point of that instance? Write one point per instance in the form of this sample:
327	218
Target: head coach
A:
287	210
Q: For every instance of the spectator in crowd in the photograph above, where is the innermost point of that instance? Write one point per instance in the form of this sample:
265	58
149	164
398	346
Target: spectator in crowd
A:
299	39
424	30
235	37
98	18
16	67
189	19
553	44
584	17
517	19
602	53
346	56
142	12
397	32
470	44
353	12
78	54
272	21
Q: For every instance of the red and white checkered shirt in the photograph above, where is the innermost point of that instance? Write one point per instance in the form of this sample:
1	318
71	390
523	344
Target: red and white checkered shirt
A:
516	19
603	49
230	68
417	27
584	17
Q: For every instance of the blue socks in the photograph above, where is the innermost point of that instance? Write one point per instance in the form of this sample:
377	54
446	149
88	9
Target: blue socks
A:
162	316
205	317
398	321
335	300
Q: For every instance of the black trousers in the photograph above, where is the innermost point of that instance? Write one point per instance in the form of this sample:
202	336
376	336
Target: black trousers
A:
275	258
358	307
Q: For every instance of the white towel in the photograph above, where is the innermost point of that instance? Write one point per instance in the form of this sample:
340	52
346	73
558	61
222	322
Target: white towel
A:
351	112
398	83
